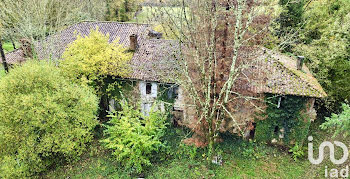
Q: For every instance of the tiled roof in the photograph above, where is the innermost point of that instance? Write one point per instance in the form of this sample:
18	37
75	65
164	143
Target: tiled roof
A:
13	57
55	45
278	74
155	60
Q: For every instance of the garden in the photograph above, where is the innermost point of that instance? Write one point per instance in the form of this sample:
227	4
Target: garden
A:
56	122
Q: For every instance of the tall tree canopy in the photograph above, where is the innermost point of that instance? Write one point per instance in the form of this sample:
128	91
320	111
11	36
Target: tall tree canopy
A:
34	19
326	37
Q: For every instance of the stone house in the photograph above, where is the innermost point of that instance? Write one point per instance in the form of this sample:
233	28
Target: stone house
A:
155	68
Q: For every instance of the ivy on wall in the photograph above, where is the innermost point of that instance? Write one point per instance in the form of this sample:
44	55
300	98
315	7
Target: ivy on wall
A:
284	120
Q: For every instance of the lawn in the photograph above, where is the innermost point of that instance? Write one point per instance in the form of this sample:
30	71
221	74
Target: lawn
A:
241	159
7	46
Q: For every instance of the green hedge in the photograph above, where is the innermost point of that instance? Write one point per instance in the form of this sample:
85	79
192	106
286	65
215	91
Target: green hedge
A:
44	119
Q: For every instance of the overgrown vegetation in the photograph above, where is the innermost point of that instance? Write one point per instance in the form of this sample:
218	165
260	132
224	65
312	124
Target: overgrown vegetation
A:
134	138
283	121
47	119
340	122
93	61
44	119
90	59
325	42
184	161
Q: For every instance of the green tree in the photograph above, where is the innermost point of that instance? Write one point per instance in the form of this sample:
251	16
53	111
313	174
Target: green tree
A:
91	59
327	43
122	10
288	24
44	118
341	122
133	137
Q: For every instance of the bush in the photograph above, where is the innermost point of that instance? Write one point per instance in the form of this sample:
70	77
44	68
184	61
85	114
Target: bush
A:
341	122
91	59
43	118
297	151
133	138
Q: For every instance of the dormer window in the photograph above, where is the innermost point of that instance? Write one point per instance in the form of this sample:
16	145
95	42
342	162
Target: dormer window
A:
148	88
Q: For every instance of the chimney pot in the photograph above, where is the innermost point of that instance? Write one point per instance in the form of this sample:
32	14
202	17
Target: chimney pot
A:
133	42
26	47
300	62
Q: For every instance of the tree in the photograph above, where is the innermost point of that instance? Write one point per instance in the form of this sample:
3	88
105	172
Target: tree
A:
44	118
289	23
92	59
3	57
327	42
340	122
40	18
215	38
2	53
122	10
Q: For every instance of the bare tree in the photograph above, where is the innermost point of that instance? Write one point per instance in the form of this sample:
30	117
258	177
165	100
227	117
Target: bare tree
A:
218	40
35	19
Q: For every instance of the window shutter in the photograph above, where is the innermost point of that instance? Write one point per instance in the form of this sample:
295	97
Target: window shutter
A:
142	86
154	90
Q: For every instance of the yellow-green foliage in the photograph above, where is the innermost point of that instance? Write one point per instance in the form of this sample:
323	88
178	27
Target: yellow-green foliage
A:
92	58
44	118
133	137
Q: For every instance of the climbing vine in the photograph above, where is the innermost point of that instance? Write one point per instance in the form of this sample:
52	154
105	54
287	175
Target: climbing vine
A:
284	120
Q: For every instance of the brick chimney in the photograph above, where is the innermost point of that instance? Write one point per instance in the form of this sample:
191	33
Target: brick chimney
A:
26	47
133	42
300	62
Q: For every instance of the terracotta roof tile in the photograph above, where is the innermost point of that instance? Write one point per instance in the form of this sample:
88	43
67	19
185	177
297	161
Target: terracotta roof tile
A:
155	60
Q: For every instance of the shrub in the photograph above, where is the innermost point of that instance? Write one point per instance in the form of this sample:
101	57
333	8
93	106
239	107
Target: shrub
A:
92	58
341	122
133	138
297	151
43	118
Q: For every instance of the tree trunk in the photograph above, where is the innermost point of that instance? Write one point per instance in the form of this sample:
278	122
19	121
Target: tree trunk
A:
13	43
3	58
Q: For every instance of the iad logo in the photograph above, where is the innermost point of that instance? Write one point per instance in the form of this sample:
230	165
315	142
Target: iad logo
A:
331	152
333	172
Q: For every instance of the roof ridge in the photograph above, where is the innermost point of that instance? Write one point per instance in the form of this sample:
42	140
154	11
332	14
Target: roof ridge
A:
292	71
113	22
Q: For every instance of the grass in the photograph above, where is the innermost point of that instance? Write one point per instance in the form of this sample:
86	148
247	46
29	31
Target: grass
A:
7	46
241	159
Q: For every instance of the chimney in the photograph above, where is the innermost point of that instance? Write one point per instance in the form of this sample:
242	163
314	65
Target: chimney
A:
155	34
26	47
300	62
133	42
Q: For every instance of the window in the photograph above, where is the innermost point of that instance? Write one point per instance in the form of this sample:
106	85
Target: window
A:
148	88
